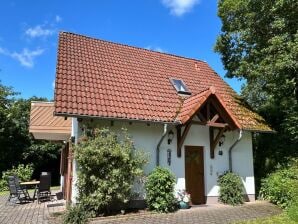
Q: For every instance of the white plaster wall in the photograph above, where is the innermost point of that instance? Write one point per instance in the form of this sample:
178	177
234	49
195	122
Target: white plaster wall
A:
242	157
75	133
147	137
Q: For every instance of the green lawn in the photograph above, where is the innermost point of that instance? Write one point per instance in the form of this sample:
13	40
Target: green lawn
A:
277	219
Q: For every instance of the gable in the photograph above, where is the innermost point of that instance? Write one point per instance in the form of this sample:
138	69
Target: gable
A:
97	78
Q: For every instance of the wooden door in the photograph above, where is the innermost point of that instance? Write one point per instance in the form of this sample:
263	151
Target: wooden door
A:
194	173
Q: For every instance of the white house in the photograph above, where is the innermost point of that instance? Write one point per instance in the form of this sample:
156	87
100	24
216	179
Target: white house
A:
175	108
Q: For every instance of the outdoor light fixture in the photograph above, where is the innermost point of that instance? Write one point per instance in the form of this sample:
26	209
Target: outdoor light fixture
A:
170	136
169	155
221	140
220	152
73	139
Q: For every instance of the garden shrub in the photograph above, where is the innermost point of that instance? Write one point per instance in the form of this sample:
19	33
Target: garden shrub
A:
292	210
281	187
75	214
160	190
231	189
108	164
23	172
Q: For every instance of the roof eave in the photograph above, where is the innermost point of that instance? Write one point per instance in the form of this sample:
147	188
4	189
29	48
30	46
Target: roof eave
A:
116	118
260	131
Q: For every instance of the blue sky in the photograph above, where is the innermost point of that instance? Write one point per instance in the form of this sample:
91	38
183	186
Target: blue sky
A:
29	31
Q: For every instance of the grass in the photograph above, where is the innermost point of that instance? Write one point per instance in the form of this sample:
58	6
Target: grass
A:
277	219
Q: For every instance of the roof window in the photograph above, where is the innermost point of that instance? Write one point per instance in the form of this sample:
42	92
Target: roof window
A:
180	86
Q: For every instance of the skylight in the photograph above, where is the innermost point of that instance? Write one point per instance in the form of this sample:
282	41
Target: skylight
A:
180	86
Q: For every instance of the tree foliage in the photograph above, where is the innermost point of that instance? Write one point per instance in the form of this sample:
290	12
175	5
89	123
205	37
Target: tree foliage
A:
259	43
17	146
108	164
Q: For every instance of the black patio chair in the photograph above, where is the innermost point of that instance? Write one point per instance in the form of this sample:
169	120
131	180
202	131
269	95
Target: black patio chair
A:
44	188
16	191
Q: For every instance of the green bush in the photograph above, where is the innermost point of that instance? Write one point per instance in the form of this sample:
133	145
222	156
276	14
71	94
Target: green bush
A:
23	172
292	211
281	187
75	214
160	190
3	185
231	189
108	164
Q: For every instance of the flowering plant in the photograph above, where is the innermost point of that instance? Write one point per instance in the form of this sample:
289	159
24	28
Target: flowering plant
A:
182	195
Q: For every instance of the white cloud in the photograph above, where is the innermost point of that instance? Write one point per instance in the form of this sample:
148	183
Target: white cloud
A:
159	49
2	51
180	7
58	18
39	31
25	57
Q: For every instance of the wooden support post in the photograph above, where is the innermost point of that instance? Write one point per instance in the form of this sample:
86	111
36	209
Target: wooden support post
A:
214	142
180	143
208	111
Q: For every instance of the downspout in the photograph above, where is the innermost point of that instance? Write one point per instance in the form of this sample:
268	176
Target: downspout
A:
165	130
231	148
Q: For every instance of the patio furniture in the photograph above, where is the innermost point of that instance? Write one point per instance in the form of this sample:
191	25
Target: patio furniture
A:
16	191
44	188
31	184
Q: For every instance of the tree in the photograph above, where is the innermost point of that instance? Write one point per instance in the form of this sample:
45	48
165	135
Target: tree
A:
259	43
17	144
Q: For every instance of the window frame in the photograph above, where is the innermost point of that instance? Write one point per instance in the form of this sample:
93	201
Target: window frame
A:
174	81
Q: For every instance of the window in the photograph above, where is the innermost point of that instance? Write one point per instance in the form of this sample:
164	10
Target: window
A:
180	86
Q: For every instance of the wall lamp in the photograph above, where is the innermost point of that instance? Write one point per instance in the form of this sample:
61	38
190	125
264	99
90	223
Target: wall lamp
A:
170	136
221	140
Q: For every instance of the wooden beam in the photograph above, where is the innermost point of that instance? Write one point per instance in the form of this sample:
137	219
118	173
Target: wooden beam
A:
214	142
218	136
208	111
214	119
201	117
180	143
210	124
217	125
222	113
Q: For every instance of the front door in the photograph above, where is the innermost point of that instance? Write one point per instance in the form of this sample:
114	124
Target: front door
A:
194	173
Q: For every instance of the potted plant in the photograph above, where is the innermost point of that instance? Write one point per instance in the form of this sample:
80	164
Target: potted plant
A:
183	199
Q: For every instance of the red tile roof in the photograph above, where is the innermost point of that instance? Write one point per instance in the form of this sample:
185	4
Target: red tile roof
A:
192	104
98	78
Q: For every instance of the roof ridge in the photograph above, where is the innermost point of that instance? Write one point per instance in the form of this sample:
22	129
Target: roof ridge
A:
135	47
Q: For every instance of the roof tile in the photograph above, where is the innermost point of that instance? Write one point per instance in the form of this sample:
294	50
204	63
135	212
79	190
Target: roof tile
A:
104	79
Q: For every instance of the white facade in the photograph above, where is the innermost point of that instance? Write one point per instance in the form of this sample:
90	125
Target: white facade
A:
146	138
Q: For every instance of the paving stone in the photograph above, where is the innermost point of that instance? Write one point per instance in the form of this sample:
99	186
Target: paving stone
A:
40	213
28	213
215	214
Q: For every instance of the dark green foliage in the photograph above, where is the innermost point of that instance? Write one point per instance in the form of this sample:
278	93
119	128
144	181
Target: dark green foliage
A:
108	165
160	190
23	172
281	187
231	189
259	43
75	214
16	144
